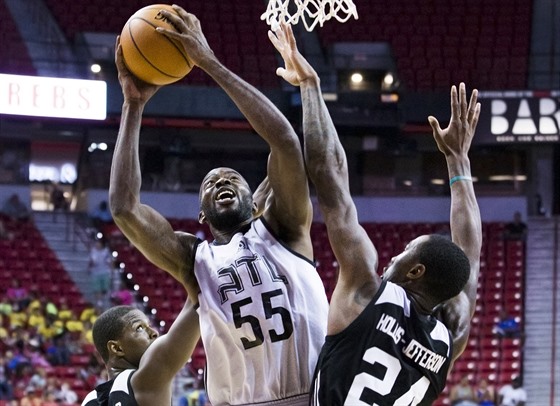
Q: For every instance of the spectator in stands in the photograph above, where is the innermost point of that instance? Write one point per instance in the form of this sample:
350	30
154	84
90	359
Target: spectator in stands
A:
51	329
49	308
123	295
66	395
74	325
5	306
58	201
31	397
36	319
6	389
100	269
516	229
507	326
137	359
101	215
38	381
462	393
192	394
277	246
422	300
64	311
485	394
18	294
51	389
35	354
89	313
58	352
512	394
15	209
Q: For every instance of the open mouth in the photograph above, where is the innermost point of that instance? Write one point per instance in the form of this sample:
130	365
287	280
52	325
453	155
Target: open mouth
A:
225	195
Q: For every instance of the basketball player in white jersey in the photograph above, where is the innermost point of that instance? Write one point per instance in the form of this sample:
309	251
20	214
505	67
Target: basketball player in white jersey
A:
262	305
141	364
384	345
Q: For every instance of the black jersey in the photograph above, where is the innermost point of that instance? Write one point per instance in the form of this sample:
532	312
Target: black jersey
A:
116	392
389	355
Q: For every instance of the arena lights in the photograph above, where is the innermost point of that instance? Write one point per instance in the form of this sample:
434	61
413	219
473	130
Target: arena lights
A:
356	78
95	68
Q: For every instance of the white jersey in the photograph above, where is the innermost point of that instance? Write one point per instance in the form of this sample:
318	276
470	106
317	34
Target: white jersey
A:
263	319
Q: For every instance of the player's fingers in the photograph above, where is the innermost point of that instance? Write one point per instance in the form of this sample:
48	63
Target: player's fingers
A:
289	35
454	103
275	41
472	105
177	21
434	123
463	101
169	33
182	12
474	121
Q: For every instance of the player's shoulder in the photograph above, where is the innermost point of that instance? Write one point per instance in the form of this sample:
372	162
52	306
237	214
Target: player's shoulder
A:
90	399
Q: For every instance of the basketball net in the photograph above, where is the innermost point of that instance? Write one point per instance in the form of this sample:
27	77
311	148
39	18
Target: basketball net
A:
311	12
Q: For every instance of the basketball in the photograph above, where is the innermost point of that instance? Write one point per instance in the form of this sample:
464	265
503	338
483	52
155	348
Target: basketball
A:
150	55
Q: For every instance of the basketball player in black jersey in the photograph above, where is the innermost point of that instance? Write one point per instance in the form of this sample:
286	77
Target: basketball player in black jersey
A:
385	345
140	363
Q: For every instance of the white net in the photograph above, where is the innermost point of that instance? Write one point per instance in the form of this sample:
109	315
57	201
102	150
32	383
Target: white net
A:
311	12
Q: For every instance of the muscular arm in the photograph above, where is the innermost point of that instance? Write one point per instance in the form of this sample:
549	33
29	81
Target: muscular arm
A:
289	209
465	222
165	357
328	170
148	230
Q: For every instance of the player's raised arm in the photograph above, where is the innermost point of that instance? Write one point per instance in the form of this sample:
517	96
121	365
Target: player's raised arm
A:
466	228
328	170
148	230
165	357
289	210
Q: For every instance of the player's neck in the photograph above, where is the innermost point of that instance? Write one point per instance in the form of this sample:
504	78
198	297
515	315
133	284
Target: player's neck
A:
422	302
222	237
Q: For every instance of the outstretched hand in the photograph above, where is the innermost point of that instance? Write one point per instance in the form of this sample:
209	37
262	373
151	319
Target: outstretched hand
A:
297	68
457	137
133	88
188	33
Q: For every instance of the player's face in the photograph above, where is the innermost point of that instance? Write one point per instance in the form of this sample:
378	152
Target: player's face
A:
137	337
225	198
399	266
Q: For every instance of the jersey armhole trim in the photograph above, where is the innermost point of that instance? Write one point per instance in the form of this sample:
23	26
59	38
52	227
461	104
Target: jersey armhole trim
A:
273	234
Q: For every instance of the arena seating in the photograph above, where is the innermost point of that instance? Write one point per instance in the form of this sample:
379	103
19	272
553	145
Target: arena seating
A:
437	43
27	258
500	287
232	30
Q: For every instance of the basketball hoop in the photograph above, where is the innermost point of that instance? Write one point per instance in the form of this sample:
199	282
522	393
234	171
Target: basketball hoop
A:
311	12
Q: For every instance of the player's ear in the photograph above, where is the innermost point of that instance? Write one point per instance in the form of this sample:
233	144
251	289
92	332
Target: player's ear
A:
416	272
201	217
114	347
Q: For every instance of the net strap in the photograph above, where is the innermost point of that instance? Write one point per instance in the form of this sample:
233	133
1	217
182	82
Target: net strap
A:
311	12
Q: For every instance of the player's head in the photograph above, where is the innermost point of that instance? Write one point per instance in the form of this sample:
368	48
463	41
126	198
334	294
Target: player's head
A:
432	263
226	200
122	334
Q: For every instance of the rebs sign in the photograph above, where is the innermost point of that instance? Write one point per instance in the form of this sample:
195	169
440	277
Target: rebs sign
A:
519	117
53	97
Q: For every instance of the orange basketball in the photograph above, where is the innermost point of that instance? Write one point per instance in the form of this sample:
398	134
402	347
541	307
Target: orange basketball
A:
150	55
